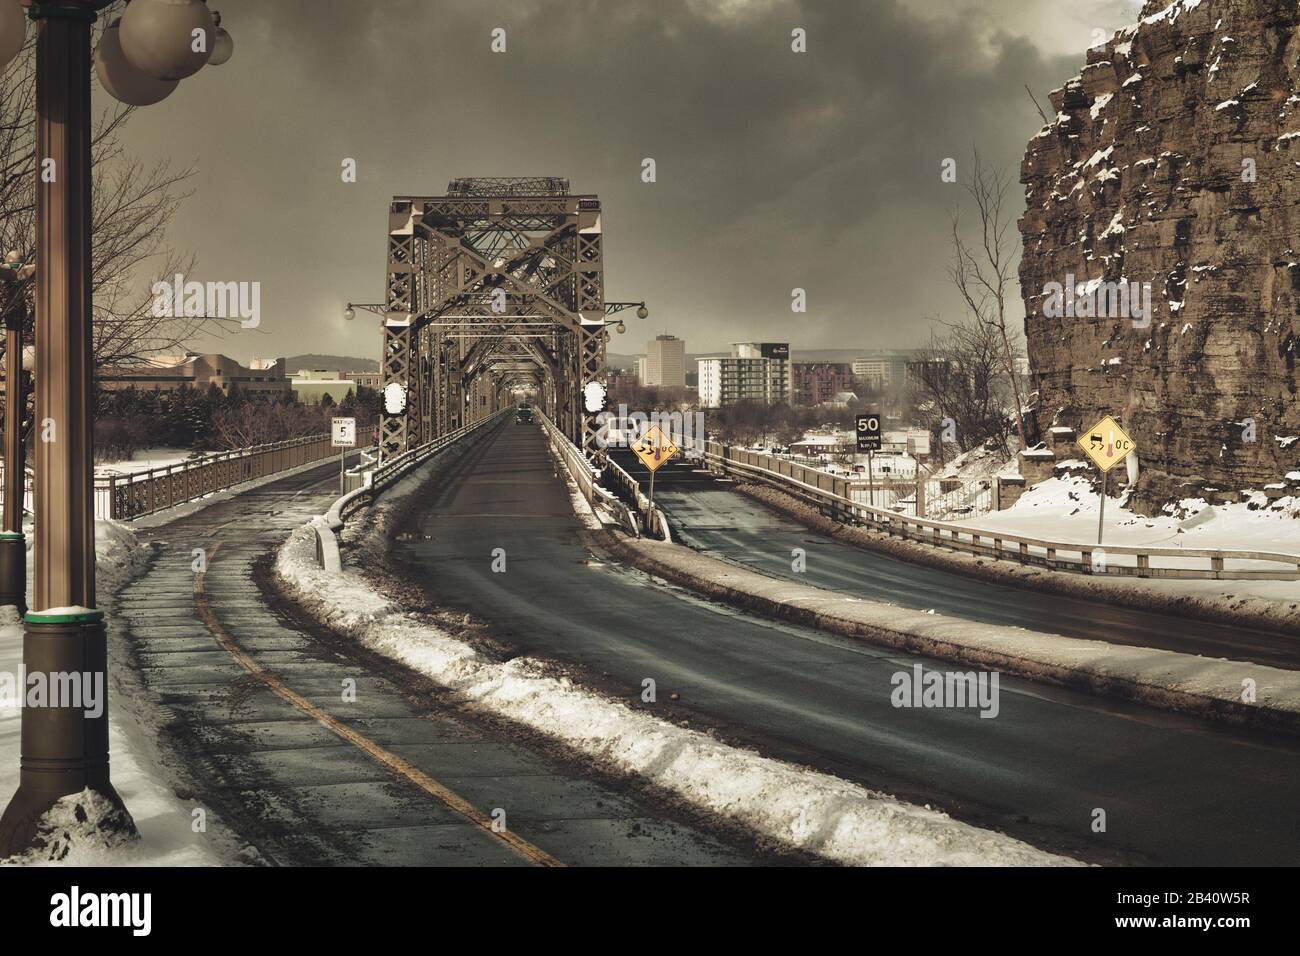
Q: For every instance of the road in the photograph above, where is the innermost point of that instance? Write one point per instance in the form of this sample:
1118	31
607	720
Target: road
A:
727	525
260	725
1175	790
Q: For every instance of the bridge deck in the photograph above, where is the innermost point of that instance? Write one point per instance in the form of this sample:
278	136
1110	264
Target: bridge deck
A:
1036	772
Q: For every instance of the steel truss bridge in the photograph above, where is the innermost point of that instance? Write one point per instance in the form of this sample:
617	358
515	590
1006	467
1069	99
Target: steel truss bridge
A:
496	287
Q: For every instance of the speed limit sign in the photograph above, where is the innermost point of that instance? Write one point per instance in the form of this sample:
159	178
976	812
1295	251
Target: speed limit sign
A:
869	432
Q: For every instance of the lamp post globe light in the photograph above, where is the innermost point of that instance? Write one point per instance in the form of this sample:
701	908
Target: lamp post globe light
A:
64	749
121	78
168	39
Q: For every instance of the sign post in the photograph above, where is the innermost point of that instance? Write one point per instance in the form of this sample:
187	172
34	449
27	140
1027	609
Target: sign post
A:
343	434
869	440
654	448
1106	445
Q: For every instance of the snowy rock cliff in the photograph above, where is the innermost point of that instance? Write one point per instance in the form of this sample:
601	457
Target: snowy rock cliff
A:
1173	167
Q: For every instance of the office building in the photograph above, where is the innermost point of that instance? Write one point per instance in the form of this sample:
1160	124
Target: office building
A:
665	362
262	377
816	383
754	372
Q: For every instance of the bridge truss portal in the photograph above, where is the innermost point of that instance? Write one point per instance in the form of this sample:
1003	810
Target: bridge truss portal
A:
497	286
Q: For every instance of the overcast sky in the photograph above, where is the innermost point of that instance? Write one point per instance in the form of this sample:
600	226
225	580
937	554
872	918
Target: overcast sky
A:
775	169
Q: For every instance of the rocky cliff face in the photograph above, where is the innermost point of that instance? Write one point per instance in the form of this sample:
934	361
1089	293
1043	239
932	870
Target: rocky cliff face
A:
1174	161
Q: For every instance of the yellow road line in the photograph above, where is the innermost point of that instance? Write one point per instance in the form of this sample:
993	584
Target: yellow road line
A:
389	759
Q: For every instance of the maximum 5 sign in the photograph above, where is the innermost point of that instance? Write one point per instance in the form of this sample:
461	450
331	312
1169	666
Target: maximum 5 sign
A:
343	432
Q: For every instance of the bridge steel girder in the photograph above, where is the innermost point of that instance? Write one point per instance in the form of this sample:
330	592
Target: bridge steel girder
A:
496	270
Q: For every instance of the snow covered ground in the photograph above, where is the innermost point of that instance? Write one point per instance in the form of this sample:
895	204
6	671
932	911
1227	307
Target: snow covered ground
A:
1066	509
978	463
164	821
143	460
813	811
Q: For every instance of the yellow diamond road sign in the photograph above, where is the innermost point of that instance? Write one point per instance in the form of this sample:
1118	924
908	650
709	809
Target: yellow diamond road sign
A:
654	448
1106	444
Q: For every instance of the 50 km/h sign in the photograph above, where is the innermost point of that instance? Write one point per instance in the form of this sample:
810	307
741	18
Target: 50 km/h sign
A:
869	432
1106	444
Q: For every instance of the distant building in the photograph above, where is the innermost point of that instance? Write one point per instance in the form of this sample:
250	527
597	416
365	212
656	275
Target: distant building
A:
816	383
755	372
882	369
620	378
665	362
373	380
312	385
200	372
933	370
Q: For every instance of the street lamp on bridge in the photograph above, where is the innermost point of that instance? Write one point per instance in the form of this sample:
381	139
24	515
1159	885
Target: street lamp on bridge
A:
141	57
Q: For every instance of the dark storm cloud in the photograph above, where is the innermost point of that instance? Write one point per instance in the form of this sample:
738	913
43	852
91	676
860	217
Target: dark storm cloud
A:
775	169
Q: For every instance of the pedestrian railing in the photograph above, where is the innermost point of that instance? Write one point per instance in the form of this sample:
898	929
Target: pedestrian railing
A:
125	497
833	496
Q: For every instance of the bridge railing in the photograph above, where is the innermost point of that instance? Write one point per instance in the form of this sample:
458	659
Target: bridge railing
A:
832	495
587	479
383	476
124	497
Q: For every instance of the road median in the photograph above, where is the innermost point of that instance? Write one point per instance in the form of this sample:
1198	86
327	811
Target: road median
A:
1229	691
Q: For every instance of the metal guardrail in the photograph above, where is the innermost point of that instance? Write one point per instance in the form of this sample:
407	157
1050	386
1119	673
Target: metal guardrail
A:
587	478
830	493
375	482
124	497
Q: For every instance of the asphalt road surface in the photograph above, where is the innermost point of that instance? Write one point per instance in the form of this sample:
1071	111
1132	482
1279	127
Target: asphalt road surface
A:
261	723
1174	790
728	525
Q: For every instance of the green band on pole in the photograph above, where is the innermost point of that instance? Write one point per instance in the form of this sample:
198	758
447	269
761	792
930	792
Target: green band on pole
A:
13	534
83	617
62	11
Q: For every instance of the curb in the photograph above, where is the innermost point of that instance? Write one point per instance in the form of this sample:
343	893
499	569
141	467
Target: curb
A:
1143	675
1268	614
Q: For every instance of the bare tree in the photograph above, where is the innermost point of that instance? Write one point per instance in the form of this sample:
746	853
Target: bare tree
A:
260	423
132	205
959	379
983	271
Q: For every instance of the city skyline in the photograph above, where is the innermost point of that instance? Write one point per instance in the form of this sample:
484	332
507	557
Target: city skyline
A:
793	145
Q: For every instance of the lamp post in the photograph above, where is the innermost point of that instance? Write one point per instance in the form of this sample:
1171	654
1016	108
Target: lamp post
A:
13	543
64	747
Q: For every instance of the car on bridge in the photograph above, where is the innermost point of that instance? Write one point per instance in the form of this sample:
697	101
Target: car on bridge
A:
524	415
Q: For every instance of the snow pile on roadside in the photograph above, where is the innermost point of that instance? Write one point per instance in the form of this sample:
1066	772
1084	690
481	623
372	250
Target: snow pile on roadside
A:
1065	509
82	829
813	811
981	462
79	830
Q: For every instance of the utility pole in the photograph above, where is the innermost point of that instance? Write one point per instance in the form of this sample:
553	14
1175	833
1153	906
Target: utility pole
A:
13	543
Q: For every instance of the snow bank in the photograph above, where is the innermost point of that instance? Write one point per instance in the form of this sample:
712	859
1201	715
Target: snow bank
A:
82	829
809	810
